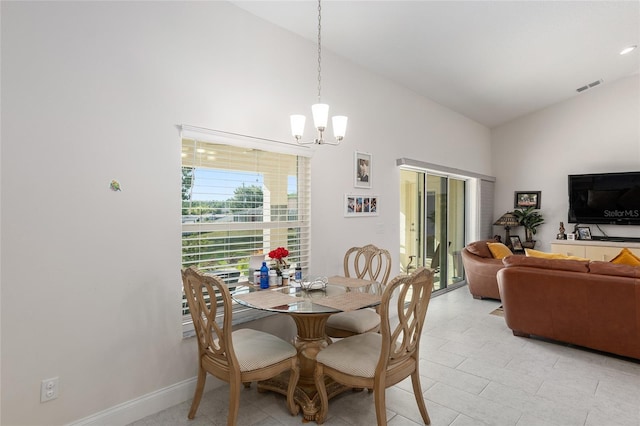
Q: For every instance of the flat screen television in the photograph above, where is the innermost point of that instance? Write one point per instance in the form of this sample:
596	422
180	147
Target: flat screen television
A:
609	198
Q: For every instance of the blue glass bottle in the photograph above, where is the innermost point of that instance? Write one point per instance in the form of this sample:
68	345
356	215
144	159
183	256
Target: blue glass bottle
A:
264	275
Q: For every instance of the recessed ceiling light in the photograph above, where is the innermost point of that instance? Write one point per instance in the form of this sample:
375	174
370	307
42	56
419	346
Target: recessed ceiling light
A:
628	49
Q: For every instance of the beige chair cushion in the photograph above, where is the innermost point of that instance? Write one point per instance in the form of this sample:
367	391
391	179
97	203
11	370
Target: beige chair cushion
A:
356	355
359	321
256	349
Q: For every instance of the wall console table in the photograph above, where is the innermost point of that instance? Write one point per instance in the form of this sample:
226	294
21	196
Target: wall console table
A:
593	249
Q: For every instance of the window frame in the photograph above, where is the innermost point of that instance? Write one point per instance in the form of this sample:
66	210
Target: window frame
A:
302	220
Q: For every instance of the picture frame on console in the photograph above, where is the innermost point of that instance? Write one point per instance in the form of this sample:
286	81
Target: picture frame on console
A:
524	199
583	232
516	243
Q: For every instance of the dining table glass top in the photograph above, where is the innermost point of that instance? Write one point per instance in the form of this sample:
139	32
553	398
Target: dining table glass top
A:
338	295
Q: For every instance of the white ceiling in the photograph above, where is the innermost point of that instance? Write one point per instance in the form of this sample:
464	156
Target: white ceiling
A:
492	61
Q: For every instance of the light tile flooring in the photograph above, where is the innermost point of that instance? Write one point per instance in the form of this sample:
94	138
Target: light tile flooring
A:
474	372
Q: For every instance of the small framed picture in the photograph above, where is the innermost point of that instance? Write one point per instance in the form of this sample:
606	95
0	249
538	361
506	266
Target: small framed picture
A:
362	170
584	233
516	243
524	199
360	205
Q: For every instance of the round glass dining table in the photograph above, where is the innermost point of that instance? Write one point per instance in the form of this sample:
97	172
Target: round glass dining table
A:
309	309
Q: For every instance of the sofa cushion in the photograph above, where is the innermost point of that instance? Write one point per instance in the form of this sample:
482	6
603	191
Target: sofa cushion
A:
538	262
618	270
499	250
626	257
545	255
480	248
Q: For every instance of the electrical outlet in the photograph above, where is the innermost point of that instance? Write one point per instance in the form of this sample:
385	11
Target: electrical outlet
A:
49	389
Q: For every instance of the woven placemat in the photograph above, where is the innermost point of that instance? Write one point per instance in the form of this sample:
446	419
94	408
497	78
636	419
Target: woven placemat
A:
349	301
349	282
266	299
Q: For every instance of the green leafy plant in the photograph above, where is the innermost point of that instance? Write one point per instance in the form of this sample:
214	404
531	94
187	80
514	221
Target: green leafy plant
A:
530	219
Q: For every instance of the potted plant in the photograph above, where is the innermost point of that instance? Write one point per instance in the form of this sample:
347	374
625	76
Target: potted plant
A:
530	219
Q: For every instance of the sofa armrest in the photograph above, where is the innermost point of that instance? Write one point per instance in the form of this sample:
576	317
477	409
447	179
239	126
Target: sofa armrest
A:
481	275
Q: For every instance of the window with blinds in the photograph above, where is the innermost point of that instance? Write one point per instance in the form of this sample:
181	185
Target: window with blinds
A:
239	201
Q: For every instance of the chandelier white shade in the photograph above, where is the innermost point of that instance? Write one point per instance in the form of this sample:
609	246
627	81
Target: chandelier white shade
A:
339	123
297	125
320	115
319	111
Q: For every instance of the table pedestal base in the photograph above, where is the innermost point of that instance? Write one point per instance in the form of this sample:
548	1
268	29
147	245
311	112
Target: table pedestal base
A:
310	340
305	396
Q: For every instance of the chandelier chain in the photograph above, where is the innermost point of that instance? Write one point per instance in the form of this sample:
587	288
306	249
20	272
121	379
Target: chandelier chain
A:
319	49
319	111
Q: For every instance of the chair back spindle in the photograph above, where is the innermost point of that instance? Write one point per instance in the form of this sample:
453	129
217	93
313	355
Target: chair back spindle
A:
214	340
368	263
411	295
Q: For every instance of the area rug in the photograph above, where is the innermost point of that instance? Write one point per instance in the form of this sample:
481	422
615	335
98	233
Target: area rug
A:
499	311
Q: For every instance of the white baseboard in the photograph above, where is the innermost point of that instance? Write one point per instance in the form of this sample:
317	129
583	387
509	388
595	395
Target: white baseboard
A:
151	403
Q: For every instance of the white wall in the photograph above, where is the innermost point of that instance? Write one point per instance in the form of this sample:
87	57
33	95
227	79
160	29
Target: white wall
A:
596	131
92	91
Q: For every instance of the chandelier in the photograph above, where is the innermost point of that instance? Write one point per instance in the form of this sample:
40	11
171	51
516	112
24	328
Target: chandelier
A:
319	111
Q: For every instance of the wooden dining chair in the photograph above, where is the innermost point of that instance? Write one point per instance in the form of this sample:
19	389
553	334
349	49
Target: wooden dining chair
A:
237	357
380	360
368	263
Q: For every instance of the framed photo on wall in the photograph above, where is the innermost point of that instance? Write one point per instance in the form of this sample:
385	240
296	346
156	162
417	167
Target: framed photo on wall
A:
524	199
359	205
362	170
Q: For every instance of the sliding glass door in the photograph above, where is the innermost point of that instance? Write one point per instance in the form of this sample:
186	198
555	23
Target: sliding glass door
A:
432	222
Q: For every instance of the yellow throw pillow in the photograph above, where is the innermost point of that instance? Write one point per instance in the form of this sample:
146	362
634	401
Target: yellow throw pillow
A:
537	253
544	255
626	257
499	250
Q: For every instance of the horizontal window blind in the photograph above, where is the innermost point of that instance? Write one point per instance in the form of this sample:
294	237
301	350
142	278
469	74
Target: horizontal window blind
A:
240	201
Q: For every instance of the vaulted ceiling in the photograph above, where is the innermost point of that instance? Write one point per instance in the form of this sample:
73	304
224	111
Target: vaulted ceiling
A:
491	61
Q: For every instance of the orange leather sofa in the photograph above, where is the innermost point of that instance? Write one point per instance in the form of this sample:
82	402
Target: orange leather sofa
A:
480	270
591	304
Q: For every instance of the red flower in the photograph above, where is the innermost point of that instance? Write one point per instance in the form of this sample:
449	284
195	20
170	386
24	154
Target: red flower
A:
279	253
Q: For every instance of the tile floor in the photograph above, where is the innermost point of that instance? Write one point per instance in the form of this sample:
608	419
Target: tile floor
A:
474	372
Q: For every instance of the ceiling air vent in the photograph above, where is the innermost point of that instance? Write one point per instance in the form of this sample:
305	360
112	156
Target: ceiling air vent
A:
589	86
